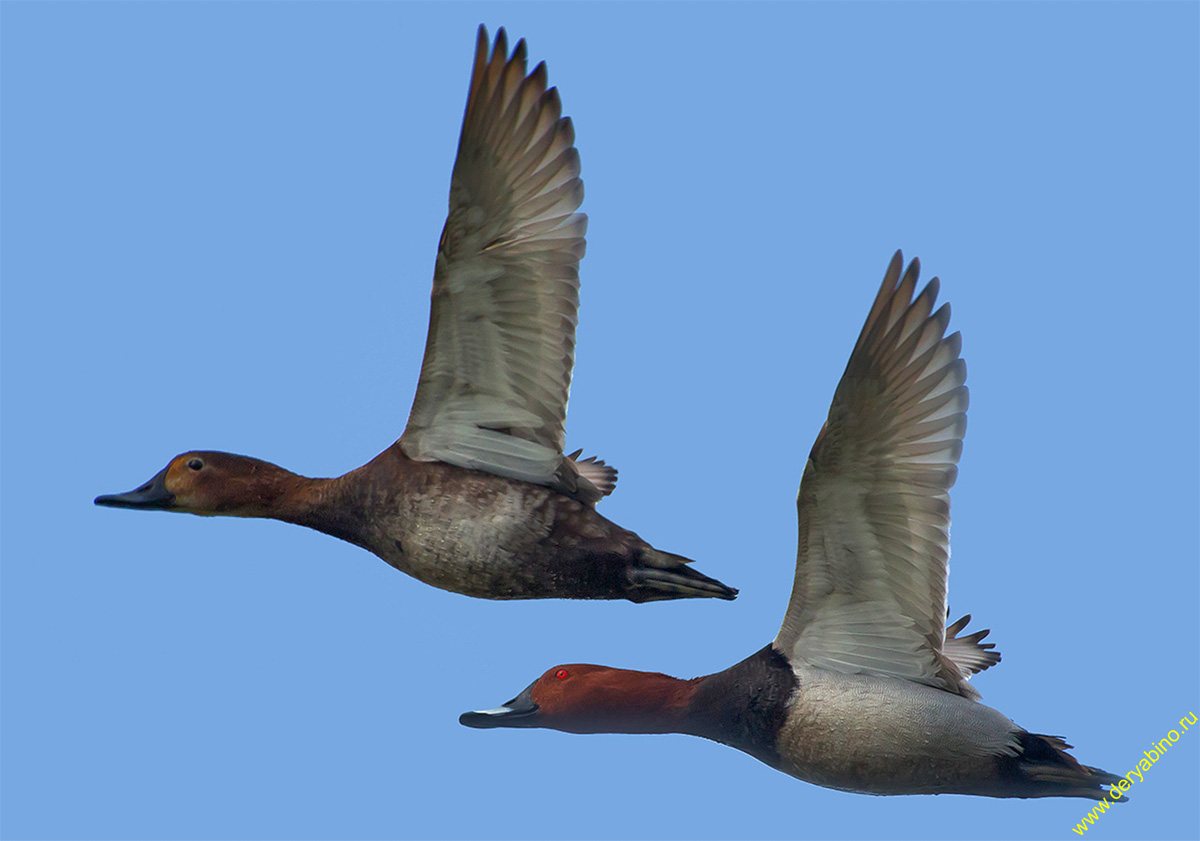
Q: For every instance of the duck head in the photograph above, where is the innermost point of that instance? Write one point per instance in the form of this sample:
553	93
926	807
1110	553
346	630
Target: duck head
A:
210	484
582	698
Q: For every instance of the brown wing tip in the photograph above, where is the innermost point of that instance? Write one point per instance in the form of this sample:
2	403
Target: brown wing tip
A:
499	47
896	273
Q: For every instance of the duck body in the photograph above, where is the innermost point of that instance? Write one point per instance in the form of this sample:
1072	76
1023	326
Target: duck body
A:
492	537
877	735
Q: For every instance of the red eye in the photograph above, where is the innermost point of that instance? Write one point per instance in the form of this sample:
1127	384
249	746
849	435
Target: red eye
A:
562	674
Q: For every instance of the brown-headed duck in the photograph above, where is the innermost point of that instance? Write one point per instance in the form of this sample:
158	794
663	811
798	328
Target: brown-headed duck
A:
863	689
476	496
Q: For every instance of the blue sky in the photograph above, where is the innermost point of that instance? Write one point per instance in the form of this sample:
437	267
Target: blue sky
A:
219	223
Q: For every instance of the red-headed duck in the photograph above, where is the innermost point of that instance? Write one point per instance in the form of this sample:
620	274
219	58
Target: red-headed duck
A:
476	496
863	689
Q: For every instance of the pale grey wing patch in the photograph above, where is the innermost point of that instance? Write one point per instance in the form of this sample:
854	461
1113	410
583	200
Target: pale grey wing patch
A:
470	446
874	505
501	347
864	637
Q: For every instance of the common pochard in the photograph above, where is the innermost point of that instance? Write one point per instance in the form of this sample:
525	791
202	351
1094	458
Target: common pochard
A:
476	496
863	689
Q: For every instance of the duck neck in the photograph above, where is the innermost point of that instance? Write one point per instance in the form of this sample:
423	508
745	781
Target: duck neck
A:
743	706
746	705
326	505
264	490
341	506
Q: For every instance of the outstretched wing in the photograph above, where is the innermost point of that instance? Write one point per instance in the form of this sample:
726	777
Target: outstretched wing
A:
497	370
874	503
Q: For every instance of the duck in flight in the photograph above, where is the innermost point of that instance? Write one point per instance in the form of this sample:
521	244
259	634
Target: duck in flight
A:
476	496
863	689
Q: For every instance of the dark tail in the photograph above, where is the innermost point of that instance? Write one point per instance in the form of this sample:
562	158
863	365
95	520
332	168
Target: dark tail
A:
1045	769
656	575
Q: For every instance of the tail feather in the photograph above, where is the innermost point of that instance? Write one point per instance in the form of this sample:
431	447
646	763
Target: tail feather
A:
1043	768
662	575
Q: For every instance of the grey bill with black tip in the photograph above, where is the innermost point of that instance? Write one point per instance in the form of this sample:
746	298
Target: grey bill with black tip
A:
519	712
153	494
